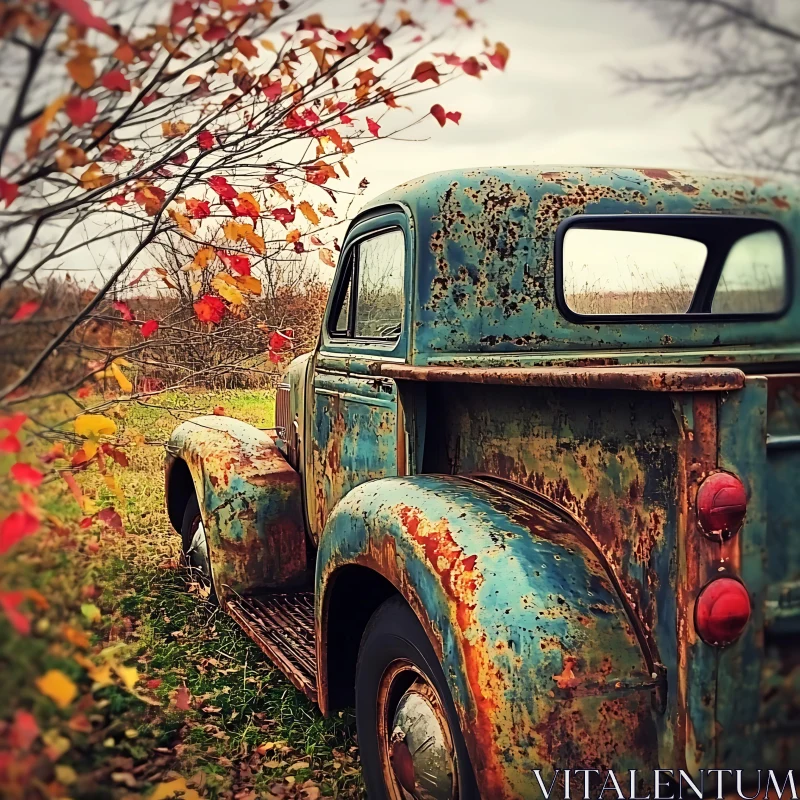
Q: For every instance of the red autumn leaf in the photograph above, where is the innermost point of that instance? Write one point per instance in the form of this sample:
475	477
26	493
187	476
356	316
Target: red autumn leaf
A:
216	33
154	683
472	66
8	191
180	158
119	199
141	275
183	698
81	110
272	91
280	340
10	443
210	309
123	309
236	262
381	50
345	120
373	126
198	209
115	454
118	153
84	392
149	328
451	59
24	730
108	516
274	357
219	411
115	81
221	186
425	71
79	11
26	474
25	310
180	12
499	58
284	215
15	527
205	140
150	98
8	603
441	116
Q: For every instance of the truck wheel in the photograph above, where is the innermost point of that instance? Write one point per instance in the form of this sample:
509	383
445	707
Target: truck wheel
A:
195	548
408	732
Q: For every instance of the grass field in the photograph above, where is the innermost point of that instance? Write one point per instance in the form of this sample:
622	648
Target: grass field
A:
169	693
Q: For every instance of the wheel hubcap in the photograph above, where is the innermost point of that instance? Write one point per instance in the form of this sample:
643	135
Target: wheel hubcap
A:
419	758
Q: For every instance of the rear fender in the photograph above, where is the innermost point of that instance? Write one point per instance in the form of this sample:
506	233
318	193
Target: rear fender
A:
544	663
250	502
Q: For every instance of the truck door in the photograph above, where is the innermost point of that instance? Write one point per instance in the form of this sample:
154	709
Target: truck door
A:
353	414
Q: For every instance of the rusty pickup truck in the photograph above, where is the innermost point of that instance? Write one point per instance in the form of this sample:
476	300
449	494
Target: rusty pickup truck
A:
531	502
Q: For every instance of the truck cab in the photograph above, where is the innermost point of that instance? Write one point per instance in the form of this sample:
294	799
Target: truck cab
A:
530	502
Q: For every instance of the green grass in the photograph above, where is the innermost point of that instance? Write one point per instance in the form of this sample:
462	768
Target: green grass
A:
246	729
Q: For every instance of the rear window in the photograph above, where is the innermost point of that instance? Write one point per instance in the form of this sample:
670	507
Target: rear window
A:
651	265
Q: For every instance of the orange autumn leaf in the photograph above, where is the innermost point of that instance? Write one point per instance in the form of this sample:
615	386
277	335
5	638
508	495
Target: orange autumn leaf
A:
58	687
174	130
233	230
245	47
203	257
307	210
94	177
254	240
293	236
39	126
281	189
326	256
248	283
181	220
81	67
249	204
69	156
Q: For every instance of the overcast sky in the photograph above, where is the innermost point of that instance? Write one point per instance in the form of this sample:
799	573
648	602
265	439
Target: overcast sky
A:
557	102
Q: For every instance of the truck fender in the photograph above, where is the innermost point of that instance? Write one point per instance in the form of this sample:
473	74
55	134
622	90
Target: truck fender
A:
544	663
250	500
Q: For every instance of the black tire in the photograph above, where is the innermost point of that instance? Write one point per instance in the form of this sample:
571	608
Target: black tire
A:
196	559
394	633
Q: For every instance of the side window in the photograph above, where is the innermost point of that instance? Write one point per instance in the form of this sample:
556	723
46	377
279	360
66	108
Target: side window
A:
376	277
753	279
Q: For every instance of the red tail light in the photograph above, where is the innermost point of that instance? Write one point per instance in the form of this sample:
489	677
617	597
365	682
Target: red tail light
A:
722	611
721	505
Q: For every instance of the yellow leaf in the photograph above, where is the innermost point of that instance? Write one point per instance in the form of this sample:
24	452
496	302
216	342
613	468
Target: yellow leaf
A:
196	287
65	774
173	130
169	789
58	687
92	426
88	506
229	293
307	210
233	230
128	675
254	240
113	487
91	612
123	382
100	675
249	284
90	448
57	744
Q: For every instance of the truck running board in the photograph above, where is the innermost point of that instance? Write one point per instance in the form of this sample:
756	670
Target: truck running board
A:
282	625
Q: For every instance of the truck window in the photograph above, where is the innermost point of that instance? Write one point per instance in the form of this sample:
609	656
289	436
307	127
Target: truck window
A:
375	278
650	266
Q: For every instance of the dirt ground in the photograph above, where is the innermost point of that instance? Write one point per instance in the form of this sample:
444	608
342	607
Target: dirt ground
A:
129	684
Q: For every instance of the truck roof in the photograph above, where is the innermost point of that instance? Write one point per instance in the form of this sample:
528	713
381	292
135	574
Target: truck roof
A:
485	243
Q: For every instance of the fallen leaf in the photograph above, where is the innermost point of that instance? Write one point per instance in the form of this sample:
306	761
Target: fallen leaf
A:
58	687
169	789
128	675
91	612
182	698
24	730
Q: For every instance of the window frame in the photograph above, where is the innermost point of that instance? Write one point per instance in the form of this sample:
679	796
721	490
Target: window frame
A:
349	278
681	225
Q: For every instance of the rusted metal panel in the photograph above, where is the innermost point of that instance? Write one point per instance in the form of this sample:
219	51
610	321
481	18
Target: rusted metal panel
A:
484	281
354	436
643	379
251	503
543	662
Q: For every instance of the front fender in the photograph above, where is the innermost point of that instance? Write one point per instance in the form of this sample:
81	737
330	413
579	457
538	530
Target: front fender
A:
544	664
251	502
